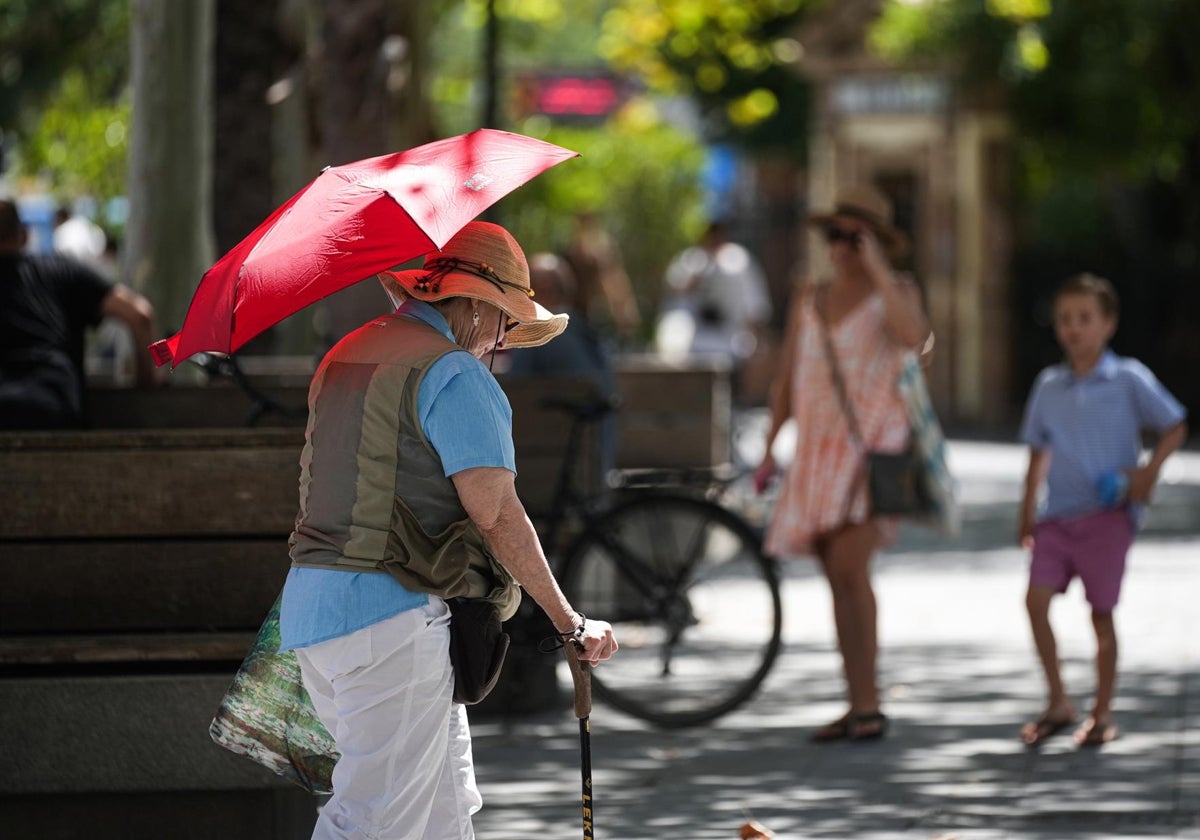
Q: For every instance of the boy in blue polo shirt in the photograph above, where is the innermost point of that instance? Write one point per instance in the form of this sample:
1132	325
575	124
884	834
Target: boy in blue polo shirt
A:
1083	424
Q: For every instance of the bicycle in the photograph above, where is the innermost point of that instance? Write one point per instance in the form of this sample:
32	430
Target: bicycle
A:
694	601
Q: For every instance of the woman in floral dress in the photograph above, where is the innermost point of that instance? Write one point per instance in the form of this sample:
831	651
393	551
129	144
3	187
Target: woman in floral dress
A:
871	318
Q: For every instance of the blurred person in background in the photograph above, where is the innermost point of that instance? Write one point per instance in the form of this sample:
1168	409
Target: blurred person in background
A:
78	237
870	317
47	302
602	291
578	352
716	303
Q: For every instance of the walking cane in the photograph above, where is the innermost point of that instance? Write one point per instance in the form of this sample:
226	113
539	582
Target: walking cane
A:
581	675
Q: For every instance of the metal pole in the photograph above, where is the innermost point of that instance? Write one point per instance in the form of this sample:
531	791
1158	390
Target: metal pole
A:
491	84
491	68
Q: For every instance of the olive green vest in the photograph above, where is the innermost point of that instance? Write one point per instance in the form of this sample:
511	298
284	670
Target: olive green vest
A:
373	494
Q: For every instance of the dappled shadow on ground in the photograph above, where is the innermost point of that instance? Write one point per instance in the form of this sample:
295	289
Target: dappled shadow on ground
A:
959	678
952	764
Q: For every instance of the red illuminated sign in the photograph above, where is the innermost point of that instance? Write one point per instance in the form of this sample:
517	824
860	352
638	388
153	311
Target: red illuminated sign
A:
570	96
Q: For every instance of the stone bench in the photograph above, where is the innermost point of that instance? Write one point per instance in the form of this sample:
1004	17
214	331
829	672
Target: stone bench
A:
137	567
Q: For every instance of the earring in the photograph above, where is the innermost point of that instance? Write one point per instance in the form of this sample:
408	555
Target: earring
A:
475	318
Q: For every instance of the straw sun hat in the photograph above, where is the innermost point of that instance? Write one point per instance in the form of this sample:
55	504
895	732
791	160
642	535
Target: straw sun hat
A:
482	261
873	208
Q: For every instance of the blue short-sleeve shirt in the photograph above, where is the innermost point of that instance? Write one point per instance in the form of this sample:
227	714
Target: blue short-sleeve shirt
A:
1092	425
466	417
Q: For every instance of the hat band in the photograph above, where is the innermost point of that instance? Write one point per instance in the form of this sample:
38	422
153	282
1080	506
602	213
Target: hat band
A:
862	215
440	267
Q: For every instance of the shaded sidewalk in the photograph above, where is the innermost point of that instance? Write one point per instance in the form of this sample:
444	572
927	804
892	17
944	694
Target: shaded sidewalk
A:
959	676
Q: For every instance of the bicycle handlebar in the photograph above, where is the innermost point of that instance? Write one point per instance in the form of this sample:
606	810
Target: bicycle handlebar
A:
592	408
221	365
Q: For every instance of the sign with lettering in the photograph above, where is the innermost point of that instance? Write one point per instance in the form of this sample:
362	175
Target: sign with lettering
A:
905	94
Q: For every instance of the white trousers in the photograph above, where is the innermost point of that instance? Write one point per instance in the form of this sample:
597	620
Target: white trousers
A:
385	694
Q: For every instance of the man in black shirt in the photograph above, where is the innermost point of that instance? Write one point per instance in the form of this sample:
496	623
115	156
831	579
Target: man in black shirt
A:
46	304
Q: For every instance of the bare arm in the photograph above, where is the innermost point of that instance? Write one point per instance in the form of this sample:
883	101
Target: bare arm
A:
780	396
618	291
136	312
1143	479
489	496
1039	463
903	310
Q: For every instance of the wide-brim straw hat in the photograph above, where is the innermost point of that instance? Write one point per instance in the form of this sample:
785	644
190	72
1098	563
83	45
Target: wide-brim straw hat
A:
484	262
870	206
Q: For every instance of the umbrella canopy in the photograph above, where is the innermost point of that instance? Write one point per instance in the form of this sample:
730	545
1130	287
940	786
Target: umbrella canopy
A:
350	223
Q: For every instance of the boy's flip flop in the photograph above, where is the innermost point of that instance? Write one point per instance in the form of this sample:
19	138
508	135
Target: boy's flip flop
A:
1036	731
1094	733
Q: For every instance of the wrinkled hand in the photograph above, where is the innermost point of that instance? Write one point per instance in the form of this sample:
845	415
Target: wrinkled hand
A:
598	642
764	473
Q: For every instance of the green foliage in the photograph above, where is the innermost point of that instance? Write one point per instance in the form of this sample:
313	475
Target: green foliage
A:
640	175
734	59
40	39
534	34
79	145
1105	86
64	65
642	178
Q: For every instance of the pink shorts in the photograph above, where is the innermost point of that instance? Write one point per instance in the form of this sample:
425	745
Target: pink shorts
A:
1090	547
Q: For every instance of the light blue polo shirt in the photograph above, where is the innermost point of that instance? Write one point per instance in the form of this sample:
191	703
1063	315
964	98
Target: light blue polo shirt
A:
466	417
1092	425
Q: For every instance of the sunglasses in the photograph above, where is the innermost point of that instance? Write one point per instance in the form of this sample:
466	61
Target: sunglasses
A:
834	234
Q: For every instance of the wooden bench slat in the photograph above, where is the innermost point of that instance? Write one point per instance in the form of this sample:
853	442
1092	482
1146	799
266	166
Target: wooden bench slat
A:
142	647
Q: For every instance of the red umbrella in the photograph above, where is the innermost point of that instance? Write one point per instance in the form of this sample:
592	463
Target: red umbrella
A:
350	223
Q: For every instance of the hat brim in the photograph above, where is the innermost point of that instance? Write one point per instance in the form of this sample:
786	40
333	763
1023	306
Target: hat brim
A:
894	240
536	324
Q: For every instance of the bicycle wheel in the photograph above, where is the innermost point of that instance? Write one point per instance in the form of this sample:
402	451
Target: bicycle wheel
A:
693	601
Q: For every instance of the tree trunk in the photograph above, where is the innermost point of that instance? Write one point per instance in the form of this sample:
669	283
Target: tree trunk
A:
250	57
372	102
254	56
169	241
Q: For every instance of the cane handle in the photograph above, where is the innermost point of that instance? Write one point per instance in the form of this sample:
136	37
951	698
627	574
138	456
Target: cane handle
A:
581	675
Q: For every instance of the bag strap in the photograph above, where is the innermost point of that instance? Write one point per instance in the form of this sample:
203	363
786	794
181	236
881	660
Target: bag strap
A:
839	385
835	369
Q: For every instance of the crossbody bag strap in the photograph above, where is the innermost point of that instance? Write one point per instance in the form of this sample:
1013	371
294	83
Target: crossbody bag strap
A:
839	385
835	370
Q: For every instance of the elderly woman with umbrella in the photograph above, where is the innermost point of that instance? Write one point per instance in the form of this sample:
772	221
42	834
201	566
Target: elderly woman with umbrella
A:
407	501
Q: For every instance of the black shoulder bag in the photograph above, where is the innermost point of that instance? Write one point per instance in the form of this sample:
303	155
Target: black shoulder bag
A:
478	645
896	481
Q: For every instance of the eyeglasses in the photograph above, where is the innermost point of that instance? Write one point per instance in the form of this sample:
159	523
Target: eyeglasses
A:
835	234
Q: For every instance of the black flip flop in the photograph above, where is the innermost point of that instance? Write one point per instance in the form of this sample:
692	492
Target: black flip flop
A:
868	727
837	730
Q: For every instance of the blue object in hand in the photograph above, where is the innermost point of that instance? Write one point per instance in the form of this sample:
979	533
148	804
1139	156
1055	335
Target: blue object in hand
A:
1113	487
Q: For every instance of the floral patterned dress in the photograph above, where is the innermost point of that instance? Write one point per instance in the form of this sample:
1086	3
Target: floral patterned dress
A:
825	486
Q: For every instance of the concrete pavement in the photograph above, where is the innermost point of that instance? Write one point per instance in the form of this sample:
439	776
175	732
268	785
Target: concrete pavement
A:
959	676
